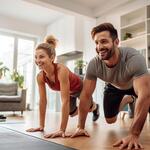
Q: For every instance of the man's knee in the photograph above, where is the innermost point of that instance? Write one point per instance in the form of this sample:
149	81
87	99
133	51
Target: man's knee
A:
111	120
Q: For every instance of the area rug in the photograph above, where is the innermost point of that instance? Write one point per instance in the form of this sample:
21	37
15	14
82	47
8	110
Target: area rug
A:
13	140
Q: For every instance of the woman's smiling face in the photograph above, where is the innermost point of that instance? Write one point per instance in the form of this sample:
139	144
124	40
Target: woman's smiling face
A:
42	59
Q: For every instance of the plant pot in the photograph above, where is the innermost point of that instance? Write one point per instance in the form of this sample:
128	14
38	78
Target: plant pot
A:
78	71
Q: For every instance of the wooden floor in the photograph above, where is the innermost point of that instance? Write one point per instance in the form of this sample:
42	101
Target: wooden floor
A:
102	134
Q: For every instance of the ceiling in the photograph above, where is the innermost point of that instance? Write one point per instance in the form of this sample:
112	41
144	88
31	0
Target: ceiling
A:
91	8
44	12
89	3
23	10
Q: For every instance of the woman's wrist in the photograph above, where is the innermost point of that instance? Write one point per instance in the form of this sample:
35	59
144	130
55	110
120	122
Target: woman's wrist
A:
79	127
61	129
41	127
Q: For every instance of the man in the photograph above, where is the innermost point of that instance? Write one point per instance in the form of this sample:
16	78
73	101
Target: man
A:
125	73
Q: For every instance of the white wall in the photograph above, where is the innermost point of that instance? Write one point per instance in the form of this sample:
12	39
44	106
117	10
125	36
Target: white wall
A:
63	29
73	33
89	46
20	26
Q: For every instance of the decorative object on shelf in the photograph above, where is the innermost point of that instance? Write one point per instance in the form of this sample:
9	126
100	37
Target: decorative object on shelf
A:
15	76
79	66
3	70
127	36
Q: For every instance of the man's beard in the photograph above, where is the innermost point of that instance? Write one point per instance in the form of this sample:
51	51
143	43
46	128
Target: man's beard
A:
108	53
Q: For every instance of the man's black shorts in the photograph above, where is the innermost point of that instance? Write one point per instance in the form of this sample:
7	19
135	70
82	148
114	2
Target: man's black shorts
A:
112	99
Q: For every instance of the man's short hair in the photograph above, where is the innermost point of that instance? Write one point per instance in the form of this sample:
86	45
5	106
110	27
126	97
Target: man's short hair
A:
105	27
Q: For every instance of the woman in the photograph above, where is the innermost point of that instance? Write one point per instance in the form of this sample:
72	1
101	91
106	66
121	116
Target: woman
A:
59	78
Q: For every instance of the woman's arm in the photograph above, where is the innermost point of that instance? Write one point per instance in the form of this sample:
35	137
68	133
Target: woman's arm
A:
43	99
63	77
42	104
65	96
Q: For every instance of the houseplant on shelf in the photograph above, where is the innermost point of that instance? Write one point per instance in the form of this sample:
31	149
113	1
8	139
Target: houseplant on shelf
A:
79	66
3	70
15	76
127	36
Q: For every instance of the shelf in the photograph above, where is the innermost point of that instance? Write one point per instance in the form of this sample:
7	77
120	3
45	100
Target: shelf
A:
148	25
148	41
148	11
139	24
138	42
136	29
135	38
139	38
134	16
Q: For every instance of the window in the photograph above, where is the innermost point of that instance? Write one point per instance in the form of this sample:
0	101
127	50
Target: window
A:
25	63
7	50
16	52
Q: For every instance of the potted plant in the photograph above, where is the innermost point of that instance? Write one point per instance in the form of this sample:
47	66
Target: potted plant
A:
127	36
3	70
79	65
15	76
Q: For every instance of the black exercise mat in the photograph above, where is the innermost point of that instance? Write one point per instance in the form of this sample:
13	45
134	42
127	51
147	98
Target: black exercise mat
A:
13	140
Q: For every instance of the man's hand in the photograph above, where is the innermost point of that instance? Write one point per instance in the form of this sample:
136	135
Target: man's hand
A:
80	132
35	129
59	133
129	142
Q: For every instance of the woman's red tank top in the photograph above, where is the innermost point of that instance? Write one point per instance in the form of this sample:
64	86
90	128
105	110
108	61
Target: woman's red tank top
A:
75	81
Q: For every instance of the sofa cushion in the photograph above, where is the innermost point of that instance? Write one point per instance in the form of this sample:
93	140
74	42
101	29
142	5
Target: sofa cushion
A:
4	98
8	89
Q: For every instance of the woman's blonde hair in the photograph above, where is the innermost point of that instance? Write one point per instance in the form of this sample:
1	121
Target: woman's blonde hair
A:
49	45
50	39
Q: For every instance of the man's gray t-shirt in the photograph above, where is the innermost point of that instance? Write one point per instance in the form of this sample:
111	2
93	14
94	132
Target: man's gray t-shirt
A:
131	65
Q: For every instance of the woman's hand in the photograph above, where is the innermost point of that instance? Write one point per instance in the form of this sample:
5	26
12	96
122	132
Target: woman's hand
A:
41	129
59	133
80	132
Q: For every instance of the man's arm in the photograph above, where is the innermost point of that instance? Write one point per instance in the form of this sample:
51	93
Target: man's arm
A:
141	86
85	101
